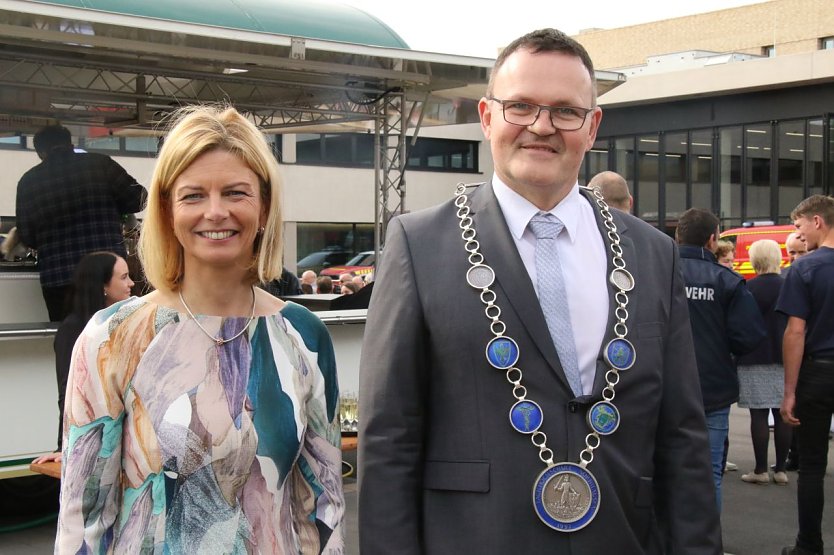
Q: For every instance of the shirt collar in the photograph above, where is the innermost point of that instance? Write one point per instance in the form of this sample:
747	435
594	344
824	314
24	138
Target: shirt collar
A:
518	211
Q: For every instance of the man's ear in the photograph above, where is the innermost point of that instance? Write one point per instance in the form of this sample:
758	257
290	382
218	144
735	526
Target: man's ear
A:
711	243
486	117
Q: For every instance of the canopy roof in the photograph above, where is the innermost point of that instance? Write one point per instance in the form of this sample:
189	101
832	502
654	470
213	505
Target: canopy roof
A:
124	64
310	19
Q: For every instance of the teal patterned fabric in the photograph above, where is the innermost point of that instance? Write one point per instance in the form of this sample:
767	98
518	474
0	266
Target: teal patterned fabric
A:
176	445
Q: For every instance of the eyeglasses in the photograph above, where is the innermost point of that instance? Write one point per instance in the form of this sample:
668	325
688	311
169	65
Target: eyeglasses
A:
566	118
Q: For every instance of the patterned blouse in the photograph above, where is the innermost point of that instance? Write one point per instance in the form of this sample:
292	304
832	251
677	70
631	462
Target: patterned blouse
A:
173	444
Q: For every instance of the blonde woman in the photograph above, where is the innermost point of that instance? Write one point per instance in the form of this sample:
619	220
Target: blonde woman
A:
760	373
203	417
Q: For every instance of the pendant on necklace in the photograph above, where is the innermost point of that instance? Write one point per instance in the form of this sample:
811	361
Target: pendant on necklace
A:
566	497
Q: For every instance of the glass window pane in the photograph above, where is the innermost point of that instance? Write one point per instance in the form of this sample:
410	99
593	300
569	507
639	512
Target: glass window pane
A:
625	158
815	146
308	148
675	166
13	141
701	169
338	149
791	165
143	145
107	142
322	245
597	160
646	189
757	174
730	177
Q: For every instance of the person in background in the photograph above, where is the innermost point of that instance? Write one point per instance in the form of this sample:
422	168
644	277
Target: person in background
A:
349	288
203	417
285	286
308	282
726	323
345	277
725	253
358	281
807	299
796	248
614	190
100	280
324	285
70	204
760	373
450	449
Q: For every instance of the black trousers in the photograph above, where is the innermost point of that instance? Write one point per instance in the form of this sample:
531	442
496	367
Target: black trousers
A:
814	408
57	301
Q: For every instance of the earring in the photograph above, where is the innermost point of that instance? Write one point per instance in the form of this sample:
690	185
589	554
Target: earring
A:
261	230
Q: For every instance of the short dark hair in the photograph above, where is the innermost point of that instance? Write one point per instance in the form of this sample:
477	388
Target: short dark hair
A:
92	273
324	284
816	205
695	227
52	136
546	40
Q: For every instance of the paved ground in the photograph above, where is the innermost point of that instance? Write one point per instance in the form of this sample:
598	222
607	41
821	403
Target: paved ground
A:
757	520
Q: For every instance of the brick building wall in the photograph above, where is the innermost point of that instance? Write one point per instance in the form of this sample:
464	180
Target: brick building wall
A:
793	26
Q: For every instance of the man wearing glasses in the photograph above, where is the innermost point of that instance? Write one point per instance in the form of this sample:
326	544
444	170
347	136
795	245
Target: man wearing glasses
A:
537	392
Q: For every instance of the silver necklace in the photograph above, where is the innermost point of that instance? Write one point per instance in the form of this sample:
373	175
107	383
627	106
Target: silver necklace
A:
219	340
566	495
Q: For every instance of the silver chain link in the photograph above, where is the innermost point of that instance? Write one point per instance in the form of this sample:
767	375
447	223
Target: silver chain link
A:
498	328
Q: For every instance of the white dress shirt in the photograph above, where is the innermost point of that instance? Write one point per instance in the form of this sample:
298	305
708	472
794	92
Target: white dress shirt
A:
584	265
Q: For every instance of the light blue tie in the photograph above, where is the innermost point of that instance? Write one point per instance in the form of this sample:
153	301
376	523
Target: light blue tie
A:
552	294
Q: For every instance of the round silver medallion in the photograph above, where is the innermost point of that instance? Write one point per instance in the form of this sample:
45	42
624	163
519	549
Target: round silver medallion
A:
622	279
480	276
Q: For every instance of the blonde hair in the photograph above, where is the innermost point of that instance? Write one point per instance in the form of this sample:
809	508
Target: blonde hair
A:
723	247
765	256
194	131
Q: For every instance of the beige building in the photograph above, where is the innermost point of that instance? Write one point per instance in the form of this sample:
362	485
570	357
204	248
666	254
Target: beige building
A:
728	110
776	27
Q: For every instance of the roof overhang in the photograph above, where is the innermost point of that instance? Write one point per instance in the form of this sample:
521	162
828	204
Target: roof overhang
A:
733	77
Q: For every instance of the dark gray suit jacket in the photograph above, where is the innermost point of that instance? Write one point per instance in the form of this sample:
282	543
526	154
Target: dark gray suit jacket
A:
441	470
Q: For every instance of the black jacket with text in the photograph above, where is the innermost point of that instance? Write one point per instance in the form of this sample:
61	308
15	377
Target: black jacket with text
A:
726	322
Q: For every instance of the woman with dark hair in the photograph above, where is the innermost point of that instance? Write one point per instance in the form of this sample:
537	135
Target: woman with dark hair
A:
100	280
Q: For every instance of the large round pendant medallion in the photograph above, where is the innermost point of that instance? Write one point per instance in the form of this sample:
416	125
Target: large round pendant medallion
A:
566	497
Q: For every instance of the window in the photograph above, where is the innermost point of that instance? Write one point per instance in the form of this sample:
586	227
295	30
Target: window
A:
769	51
357	150
730	177
13	142
757	171
791	141
675	161
443	155
701	168
321	245
646	190
827	43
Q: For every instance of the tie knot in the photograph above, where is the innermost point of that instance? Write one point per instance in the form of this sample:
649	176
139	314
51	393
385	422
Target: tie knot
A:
546	226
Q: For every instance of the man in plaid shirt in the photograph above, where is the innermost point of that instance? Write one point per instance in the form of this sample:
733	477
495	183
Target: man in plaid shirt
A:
69	205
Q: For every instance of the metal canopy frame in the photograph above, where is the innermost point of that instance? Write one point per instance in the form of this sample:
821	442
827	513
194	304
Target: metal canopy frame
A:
124	74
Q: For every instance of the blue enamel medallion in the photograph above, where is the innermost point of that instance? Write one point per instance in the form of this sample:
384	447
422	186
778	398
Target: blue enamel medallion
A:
604	418
502	352
566	497
526	417
620	354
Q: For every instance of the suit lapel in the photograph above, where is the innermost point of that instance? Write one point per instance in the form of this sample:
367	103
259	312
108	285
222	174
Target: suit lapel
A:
630	259
500	252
